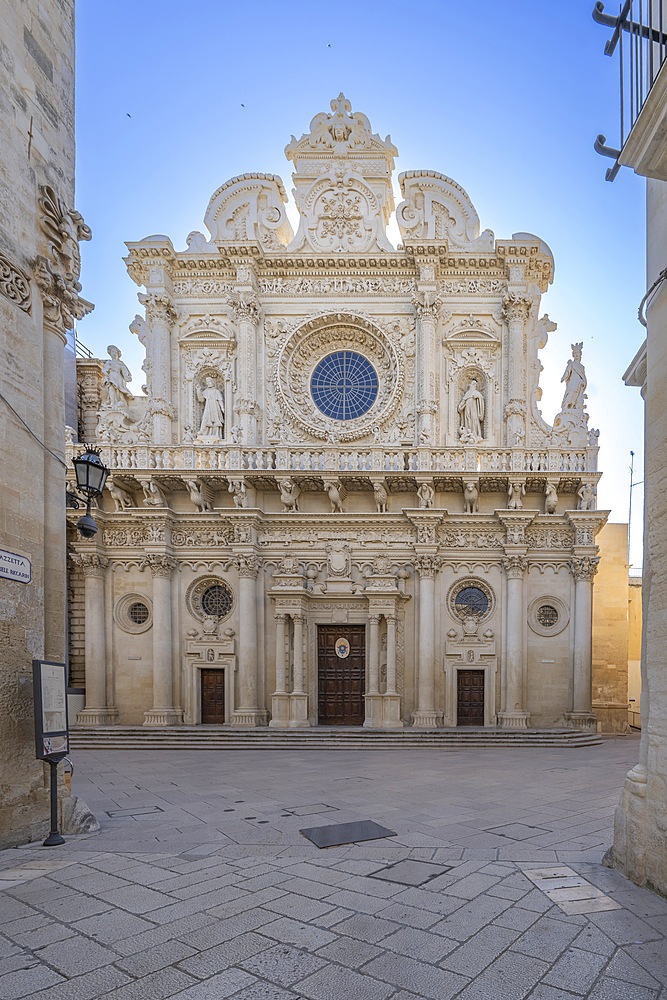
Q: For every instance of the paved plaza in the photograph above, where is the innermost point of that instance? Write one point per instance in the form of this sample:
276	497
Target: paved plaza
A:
200	886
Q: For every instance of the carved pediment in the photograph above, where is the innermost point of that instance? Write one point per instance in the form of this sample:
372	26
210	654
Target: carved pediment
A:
250	207
437	208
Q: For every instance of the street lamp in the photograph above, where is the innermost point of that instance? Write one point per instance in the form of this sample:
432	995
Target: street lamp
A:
91	475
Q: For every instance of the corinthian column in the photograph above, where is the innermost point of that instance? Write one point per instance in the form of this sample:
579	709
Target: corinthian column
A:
96	712
298	697
160	315
373	698
583	570
248	712
245	305
514	714
516	309
426	714
163	712
280	697
426	304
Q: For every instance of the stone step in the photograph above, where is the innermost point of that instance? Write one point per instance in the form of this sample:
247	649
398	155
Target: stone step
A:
224	738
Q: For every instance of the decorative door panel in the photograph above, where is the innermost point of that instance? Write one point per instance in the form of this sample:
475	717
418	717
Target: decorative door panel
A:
341	670
470	698
213	697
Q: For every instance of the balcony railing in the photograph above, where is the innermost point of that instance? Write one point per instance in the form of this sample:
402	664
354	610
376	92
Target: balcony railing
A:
640	37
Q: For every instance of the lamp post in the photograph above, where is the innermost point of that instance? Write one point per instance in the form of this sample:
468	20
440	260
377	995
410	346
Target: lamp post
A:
91	475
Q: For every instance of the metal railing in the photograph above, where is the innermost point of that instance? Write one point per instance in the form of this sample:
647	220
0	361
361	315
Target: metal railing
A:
640	36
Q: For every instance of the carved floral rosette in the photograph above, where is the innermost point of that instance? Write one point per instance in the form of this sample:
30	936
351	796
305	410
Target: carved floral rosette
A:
312	342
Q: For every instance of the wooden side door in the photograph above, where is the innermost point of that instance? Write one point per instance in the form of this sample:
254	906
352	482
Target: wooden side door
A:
470	698
341	680
213	697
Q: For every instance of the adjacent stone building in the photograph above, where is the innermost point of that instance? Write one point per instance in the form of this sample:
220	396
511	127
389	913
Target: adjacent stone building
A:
336	501
39	303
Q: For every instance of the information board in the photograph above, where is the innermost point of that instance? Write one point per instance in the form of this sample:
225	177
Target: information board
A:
51	723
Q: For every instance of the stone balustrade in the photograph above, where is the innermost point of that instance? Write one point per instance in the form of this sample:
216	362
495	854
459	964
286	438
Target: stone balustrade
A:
331	458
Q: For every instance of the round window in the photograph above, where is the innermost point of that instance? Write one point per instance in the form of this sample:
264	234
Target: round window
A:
133	613
138	613
471	598
471	601
547	616
344	385
216	601
209	597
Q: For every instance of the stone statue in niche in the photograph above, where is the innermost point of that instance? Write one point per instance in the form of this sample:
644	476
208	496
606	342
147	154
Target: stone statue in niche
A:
116	377
289	494
550	498
471	409
213	418
426	495
586	494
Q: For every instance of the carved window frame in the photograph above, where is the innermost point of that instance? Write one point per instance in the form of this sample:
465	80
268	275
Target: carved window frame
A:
552	602
460	585
196	591
121	613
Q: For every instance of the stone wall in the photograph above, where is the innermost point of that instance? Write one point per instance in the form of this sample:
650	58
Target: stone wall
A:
610	630
37	142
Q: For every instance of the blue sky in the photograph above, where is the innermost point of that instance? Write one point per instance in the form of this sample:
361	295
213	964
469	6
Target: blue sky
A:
506	98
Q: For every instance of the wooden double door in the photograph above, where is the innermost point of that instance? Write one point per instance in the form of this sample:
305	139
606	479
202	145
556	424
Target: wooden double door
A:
470	698
213	697
341	678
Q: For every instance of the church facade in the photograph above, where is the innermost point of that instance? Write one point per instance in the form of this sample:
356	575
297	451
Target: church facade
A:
336	501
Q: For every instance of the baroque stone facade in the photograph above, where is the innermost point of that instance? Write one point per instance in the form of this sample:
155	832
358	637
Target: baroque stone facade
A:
337	501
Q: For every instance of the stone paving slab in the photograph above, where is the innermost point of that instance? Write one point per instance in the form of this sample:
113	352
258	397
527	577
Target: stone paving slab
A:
218	895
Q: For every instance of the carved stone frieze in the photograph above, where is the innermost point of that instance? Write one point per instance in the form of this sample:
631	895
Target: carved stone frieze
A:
549	538
338	285
130	536
15	283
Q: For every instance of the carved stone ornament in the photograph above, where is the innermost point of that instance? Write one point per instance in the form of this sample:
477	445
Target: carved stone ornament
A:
160	565
584	567
427	566
313	341
515	567
516	308
90	563
250	207
15	283
57	275
437	208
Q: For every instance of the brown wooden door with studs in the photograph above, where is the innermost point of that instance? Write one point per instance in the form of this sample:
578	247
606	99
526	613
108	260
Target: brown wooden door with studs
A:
213	697
341	672
470	698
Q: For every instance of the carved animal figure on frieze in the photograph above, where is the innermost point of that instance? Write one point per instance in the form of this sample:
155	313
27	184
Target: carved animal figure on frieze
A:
121	498
470	497
381	498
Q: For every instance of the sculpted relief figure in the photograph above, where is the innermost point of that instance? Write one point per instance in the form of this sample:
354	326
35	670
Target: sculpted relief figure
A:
571	424
470	497
514	493
550	499
289	494
586	494
336	495
116	377
471	409
426	496
200	494
213	418
121	498
381	498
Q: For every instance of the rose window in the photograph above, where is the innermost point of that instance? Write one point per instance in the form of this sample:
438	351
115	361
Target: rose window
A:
344	385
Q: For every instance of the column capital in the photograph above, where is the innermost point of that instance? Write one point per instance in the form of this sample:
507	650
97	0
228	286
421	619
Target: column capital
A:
515	566
247	564
245	306
374	619
298	618
160	565
516	307
427	566
584	567
92	563
426	304
159	308
280	616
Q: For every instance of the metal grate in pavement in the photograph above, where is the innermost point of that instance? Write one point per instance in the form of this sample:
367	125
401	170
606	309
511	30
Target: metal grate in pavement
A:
346	833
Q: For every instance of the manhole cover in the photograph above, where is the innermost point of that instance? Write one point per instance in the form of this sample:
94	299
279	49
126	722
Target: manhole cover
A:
410	872
346	833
